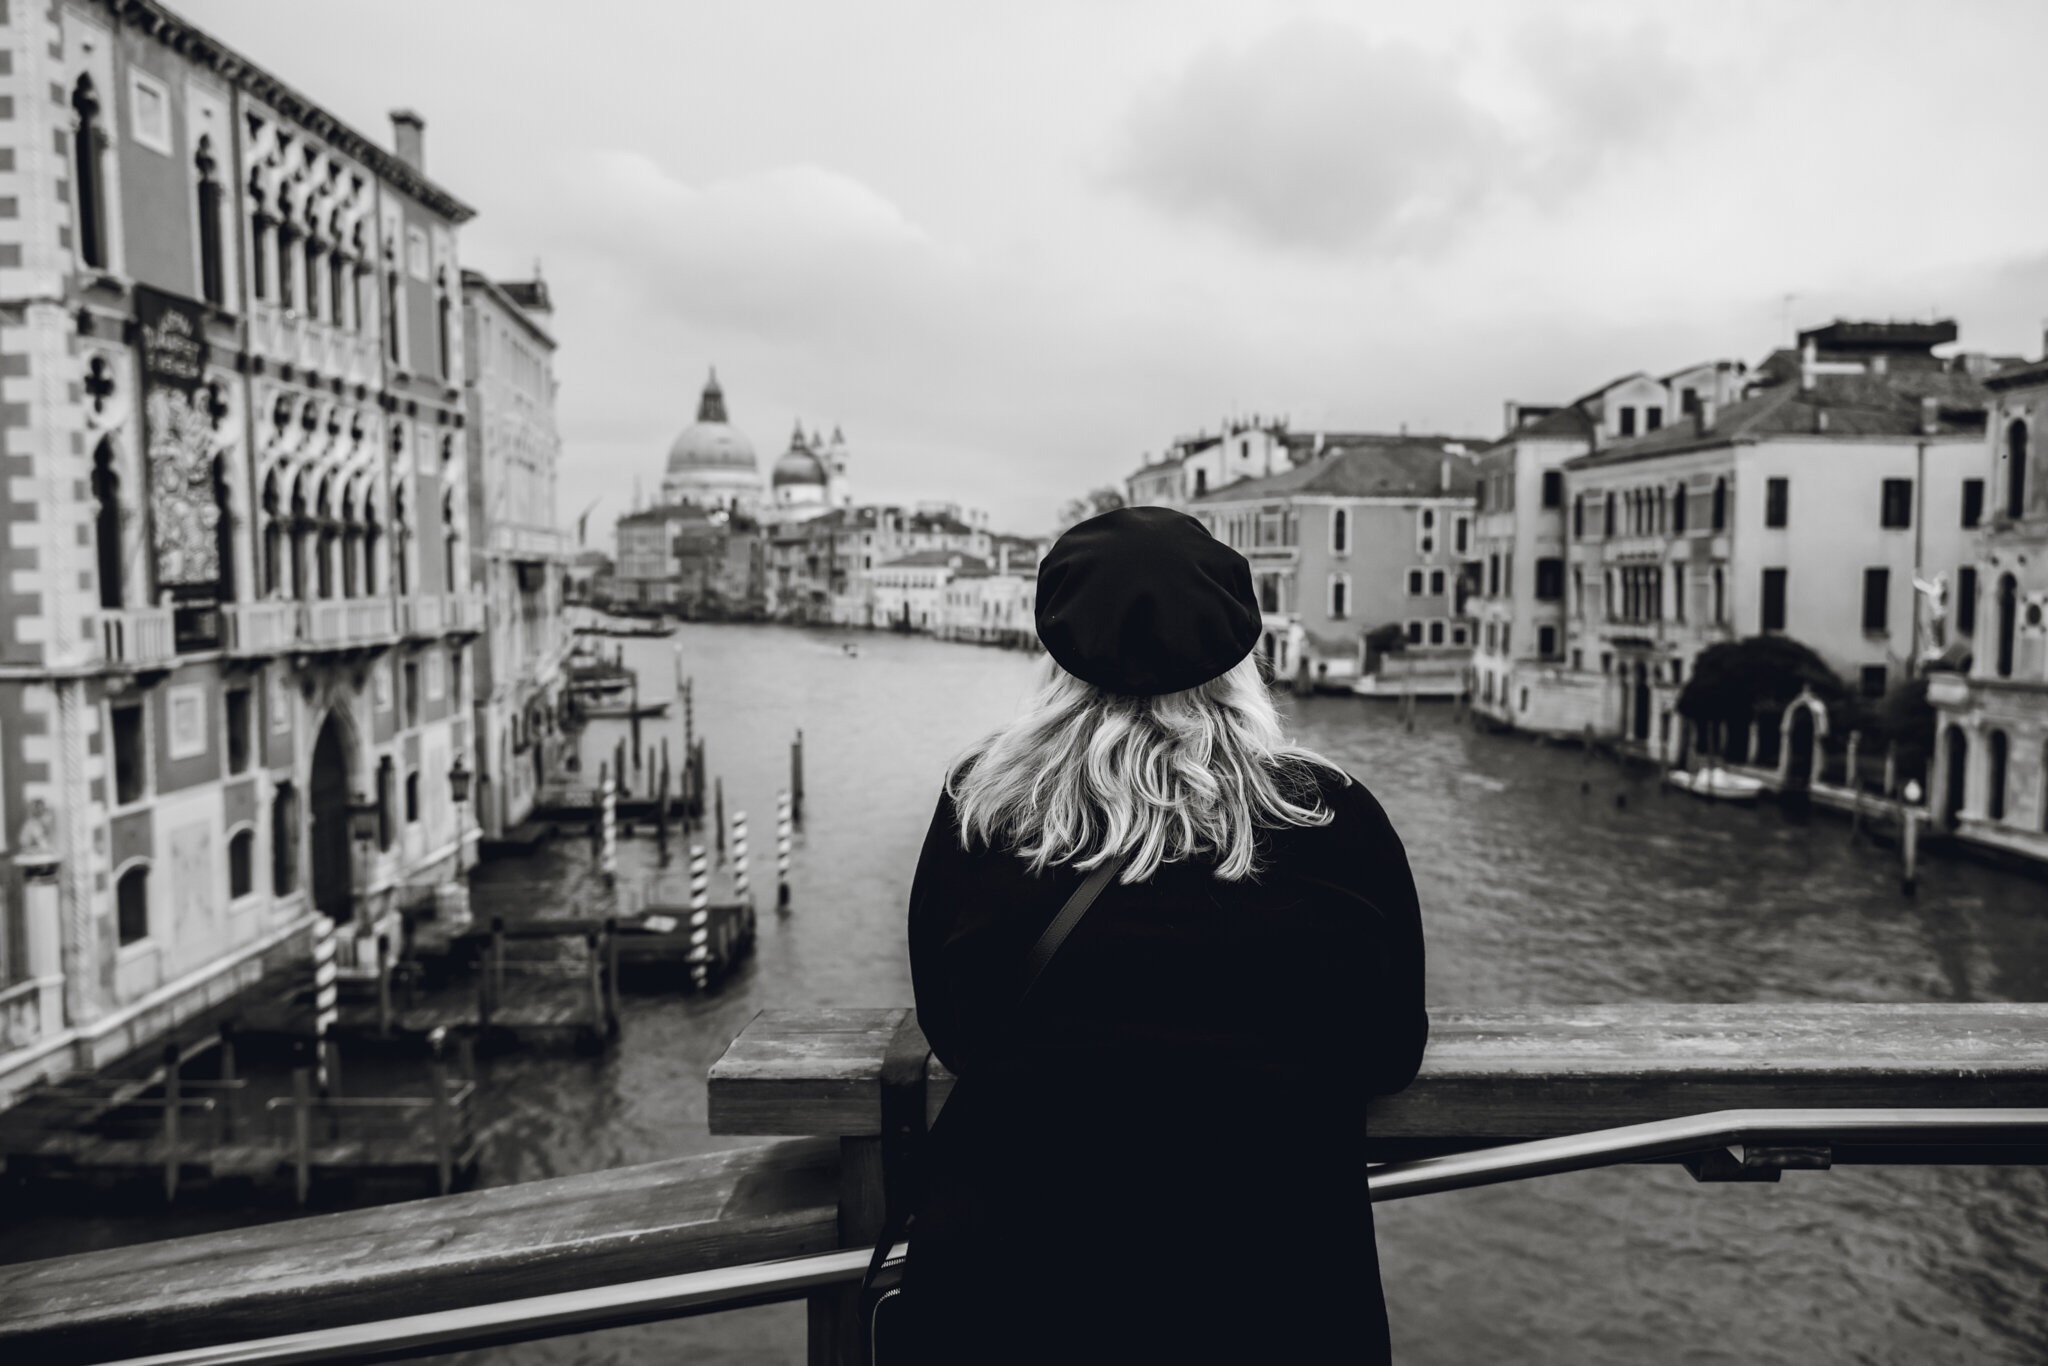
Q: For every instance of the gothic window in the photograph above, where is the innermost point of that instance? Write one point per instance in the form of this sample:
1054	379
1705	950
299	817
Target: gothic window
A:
313	274
324	565
2008	622
385	775
241	861
287	268
444	330
2016	469
1340	532
212	263
401	542
369	543
87	141
451	542
1995	779
391	318
273	538
106	496
351	545
300	524
131	897
284	840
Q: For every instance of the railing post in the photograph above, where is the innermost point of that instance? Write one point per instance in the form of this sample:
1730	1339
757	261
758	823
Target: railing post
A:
171	1099
302	1131
444	1126
384	986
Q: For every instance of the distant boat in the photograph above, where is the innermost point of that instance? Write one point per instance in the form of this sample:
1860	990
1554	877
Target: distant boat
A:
625	711
1718	784
852	650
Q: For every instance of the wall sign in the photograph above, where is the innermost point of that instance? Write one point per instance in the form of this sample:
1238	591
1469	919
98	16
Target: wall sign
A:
185	498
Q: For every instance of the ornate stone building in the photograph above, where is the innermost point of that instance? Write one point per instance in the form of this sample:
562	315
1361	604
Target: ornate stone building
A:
234	663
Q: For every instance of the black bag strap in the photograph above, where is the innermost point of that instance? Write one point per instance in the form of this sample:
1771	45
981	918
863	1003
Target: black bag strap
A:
903	1074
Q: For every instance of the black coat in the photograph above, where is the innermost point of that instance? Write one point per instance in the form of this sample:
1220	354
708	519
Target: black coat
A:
1160	1158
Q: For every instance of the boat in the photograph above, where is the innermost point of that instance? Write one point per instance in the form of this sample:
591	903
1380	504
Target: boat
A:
625	711
1718	784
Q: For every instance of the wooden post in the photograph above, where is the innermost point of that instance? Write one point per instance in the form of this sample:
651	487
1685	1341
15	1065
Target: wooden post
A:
594	977
384	986
444	1126
172	1098
611	975
1891	768
229	1092
302	1131
833	1315
718	820
1854	775
1909	849
608	796
633	724
796	778
740	891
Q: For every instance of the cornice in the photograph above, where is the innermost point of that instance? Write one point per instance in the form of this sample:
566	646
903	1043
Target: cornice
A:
200	47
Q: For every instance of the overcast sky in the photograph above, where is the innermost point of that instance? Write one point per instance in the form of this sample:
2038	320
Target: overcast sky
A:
1012	249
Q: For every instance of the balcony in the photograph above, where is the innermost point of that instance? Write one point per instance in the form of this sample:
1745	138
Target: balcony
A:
463	614
530	543
137	638
419	617
260	629
346	624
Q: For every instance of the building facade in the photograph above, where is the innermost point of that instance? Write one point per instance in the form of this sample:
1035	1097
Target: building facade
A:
1807	508
1359	538
519	553
239	609
1989	782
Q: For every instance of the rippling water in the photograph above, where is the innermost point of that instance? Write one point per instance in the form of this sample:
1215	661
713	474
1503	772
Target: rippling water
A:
1533	891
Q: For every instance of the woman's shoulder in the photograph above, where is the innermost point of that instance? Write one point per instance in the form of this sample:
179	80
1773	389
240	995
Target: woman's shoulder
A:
1354	812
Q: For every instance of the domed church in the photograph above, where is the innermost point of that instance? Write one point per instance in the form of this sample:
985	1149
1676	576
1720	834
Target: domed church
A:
712	465
810	478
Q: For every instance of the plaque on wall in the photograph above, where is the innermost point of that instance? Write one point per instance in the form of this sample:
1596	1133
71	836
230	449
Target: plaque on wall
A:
185	497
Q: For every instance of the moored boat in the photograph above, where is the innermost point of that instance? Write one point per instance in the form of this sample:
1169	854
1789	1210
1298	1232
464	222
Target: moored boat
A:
1717	784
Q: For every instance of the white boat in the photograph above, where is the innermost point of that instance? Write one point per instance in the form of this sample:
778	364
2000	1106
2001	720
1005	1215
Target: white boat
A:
1717	784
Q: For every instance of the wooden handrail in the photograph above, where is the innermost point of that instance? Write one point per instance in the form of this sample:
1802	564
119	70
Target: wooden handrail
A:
1486	1078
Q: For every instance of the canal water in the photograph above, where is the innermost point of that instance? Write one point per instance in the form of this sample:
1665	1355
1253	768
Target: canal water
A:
1534	891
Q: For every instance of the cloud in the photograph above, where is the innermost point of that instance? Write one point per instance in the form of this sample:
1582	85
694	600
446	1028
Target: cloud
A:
1315	137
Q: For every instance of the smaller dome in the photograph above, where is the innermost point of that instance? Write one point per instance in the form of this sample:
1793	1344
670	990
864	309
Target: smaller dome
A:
799	464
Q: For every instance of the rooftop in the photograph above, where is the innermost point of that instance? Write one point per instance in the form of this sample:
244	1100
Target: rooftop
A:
1400	470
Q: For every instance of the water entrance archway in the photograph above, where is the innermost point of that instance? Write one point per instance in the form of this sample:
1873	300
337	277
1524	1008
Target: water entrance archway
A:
328	793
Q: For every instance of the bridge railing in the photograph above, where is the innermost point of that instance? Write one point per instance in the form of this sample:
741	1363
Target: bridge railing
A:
1811	1085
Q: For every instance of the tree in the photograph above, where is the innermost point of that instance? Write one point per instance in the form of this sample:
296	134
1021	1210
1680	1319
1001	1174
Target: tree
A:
1737	682
1093	504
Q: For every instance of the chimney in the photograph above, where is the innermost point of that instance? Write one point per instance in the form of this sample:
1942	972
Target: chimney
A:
1808	354
1930	415
407	138
1511	414
1706	415
1445	483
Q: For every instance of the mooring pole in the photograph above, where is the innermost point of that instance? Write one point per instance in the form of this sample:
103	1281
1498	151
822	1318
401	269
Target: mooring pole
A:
739	856
782	828
700	918
718	818
796	777
608	851
444	1123
633	722
1854	775
1909	849
383	986
228	1092
302	1131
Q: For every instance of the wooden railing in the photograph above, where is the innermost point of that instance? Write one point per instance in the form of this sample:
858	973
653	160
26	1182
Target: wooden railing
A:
1488	1078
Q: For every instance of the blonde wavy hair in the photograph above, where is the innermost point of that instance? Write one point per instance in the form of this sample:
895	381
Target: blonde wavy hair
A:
1083	776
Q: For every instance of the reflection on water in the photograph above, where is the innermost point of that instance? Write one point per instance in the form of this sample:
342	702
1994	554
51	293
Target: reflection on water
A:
1543	880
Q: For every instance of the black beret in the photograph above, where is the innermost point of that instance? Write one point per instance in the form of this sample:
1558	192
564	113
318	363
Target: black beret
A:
1145	601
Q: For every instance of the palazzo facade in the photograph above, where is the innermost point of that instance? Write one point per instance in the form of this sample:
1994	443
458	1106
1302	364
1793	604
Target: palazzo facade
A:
235	627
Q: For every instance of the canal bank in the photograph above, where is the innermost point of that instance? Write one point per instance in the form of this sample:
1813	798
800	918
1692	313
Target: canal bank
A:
1534	892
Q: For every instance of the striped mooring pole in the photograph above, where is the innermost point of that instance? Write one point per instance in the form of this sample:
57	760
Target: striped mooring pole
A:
782	829
700	917
325	992
739	856
608	850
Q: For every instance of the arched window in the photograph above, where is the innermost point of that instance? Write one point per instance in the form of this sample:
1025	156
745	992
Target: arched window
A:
273	538
324	566
451	542
2016	469
131	901
412	797
385	780
87	140
241	863
212	262
444	324
1720	596
1678	510
1720	504
1994	777
106	497
2008	622
340	286
313	274
1340	532
287	264
284	840
391	318
351	544
224	527
370	540
401	538
300	524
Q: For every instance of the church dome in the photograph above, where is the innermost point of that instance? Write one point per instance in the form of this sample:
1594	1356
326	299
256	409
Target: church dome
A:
711	443
799	464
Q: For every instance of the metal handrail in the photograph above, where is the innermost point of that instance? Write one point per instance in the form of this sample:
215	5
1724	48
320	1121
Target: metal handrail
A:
736	1287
